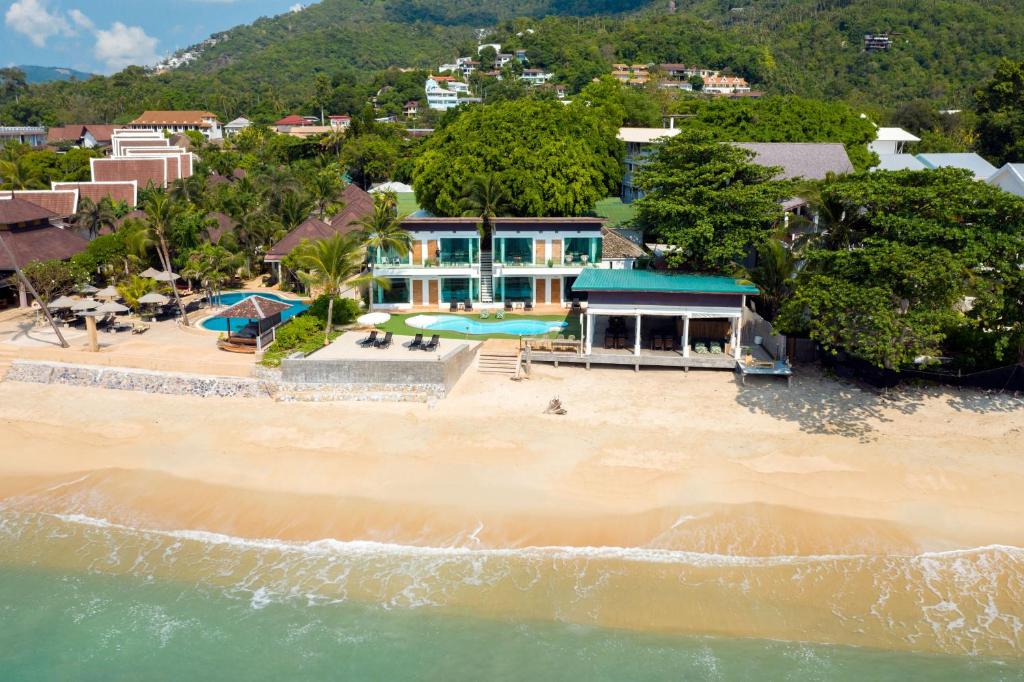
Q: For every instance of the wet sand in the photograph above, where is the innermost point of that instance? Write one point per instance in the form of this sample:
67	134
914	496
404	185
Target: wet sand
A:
811	513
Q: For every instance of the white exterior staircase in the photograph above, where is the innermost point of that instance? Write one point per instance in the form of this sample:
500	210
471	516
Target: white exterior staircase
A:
486	277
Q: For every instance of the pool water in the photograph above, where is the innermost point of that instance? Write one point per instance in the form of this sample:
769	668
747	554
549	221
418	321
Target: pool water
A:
232	297
518	327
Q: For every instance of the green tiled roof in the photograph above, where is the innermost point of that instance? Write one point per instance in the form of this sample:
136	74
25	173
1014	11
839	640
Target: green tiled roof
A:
598	279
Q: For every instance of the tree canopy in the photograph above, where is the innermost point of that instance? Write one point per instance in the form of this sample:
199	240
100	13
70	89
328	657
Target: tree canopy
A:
709	202
553	159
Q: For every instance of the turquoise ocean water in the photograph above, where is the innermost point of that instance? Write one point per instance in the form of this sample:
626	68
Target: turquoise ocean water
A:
62	626
85	599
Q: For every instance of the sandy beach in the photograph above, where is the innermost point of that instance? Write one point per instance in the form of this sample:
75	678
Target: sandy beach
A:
823	512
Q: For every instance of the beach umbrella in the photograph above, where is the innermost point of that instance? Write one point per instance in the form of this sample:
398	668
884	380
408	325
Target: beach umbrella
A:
153	297
84	304
372	319
87	289
150	273
109	292
165	277
112	307
61	303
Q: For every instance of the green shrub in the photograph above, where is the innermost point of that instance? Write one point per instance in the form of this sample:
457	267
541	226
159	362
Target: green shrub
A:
346	310
303	333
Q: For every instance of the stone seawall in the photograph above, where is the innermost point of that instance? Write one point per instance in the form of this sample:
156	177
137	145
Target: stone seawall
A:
268	383
128	379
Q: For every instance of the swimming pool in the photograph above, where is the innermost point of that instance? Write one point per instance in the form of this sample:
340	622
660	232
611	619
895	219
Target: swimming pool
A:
466	325
218	324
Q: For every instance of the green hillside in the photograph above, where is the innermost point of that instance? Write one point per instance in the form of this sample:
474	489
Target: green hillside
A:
337	52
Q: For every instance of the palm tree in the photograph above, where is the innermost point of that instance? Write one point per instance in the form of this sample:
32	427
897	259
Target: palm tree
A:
838	224
191	189
774	275
333	263
294	208
382	230
485	198
325	189
334	140
161	210
93	217
17	175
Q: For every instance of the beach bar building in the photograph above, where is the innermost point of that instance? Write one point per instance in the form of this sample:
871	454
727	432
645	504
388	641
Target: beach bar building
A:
646	317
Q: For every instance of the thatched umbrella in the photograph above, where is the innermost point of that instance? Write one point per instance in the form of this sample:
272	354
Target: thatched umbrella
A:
109	292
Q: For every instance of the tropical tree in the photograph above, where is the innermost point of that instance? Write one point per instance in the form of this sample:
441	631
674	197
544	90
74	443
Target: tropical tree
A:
19	276
325	189
18	174
92	217
381	231
161	211
333	263
774	274
294	208
484	197
710	201
212	266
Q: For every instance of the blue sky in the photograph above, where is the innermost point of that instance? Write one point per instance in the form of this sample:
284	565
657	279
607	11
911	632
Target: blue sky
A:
104	36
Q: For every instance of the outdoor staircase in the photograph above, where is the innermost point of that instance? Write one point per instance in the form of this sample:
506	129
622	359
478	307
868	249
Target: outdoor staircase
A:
486	277
498	357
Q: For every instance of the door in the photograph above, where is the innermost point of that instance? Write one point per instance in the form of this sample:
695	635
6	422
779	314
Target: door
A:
556	290
433	290
542	291
417	292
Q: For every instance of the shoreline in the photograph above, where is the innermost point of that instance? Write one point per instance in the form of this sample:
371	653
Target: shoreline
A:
747	492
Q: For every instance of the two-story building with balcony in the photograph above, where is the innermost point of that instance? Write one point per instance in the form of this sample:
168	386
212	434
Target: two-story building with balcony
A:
523	260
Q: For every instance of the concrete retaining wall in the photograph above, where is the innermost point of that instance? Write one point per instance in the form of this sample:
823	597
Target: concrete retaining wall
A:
435	377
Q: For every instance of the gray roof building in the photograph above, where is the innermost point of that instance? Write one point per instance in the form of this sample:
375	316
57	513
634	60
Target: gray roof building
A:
807	160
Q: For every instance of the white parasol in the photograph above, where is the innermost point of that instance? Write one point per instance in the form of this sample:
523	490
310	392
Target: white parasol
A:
371	319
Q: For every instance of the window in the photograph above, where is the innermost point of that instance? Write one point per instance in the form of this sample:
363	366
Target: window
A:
513	250
460	250
458	289
515	288
398	292
582	249
568	294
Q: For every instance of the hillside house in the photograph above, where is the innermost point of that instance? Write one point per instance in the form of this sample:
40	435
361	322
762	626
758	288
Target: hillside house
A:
179	122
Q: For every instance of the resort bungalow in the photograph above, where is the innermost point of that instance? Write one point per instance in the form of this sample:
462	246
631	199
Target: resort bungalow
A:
666	316
178	122
34	136
525	262
29	234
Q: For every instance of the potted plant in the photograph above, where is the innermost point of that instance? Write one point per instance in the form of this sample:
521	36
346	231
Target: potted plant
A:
551	263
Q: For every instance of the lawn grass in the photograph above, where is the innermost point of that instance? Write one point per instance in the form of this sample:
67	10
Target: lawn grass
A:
397	326
614	210
407	203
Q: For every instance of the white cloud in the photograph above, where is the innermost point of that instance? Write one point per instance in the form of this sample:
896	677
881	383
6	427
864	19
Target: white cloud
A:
121	46
33	19
81	20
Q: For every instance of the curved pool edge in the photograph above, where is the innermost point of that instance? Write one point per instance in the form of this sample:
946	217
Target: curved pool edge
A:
480	328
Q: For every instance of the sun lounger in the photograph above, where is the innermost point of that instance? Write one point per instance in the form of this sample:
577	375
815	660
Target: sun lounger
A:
385	342
140	328
468	306
433	344
508	305
453	307
528	305
576	307
370	340
416	342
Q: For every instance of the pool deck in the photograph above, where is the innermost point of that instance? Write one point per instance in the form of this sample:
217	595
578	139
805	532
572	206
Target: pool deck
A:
346	347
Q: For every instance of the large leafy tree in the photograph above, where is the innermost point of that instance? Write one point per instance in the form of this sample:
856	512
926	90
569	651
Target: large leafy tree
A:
554	159
709	201
161	212
888	285
1000	104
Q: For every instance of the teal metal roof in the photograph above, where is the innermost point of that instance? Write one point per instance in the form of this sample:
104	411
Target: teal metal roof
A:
599	279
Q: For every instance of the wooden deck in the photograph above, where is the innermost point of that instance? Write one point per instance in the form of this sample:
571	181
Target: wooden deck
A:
626	358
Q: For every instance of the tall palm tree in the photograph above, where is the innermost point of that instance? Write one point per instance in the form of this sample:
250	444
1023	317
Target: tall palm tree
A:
333	263
381	231
92	217
16	174
774	274
334	140
191	189
484	197
294	208
838	225
161	210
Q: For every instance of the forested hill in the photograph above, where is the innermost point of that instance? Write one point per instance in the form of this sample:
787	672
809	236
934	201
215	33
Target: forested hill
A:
942	50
